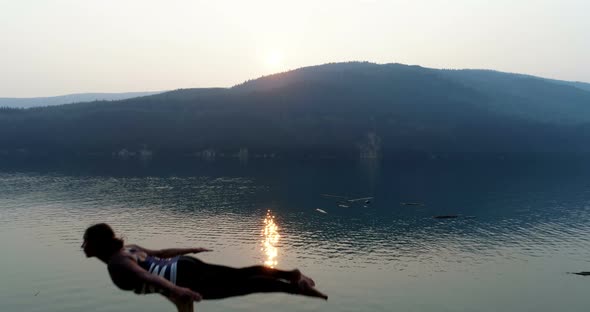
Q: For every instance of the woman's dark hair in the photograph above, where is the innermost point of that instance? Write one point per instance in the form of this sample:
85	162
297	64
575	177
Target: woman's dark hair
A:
102	238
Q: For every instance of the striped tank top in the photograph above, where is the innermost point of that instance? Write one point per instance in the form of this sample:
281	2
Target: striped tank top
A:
163	267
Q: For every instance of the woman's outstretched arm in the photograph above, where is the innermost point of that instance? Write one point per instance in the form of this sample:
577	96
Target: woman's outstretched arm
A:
169	252
173	252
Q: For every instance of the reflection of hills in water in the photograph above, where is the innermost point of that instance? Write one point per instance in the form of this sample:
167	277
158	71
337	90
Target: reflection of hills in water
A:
518	210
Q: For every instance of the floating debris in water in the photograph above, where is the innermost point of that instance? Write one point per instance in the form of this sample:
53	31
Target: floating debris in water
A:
446	217
335	196
584	273
345	202
366	199
321	210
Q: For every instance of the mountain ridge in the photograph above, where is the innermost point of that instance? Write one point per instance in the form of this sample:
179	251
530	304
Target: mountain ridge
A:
29	102
339	109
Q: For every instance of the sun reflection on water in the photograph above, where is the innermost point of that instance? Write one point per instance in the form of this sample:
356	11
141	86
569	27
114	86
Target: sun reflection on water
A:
270	235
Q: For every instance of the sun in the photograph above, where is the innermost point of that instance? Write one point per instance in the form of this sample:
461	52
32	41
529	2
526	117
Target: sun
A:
274	60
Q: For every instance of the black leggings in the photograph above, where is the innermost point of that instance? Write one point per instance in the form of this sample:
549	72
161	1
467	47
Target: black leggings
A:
218	281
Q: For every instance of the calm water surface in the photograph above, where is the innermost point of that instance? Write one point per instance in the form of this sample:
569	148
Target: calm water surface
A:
521	228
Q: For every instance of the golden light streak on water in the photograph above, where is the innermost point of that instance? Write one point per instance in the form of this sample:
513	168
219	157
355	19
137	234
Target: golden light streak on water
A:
271	236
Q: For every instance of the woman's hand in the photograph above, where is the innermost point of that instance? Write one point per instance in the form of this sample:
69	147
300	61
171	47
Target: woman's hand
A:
197	250
184	294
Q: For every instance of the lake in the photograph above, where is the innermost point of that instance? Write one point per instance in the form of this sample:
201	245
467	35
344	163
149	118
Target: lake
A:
521	226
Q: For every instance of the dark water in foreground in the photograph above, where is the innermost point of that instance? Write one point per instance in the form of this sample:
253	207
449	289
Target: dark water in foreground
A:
521	228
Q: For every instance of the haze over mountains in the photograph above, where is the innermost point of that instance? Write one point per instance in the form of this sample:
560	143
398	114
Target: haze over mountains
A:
69	99
334	110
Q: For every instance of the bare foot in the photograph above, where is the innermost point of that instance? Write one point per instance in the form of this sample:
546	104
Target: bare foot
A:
307	289
308	279
298	277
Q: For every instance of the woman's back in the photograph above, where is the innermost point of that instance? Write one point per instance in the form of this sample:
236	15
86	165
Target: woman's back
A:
163	267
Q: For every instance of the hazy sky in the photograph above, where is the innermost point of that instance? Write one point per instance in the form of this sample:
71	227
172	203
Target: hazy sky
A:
54	47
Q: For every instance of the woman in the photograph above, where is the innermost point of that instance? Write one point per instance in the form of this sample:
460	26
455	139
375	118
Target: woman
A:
184	279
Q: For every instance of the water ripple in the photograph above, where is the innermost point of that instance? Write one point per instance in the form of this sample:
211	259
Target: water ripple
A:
48	213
